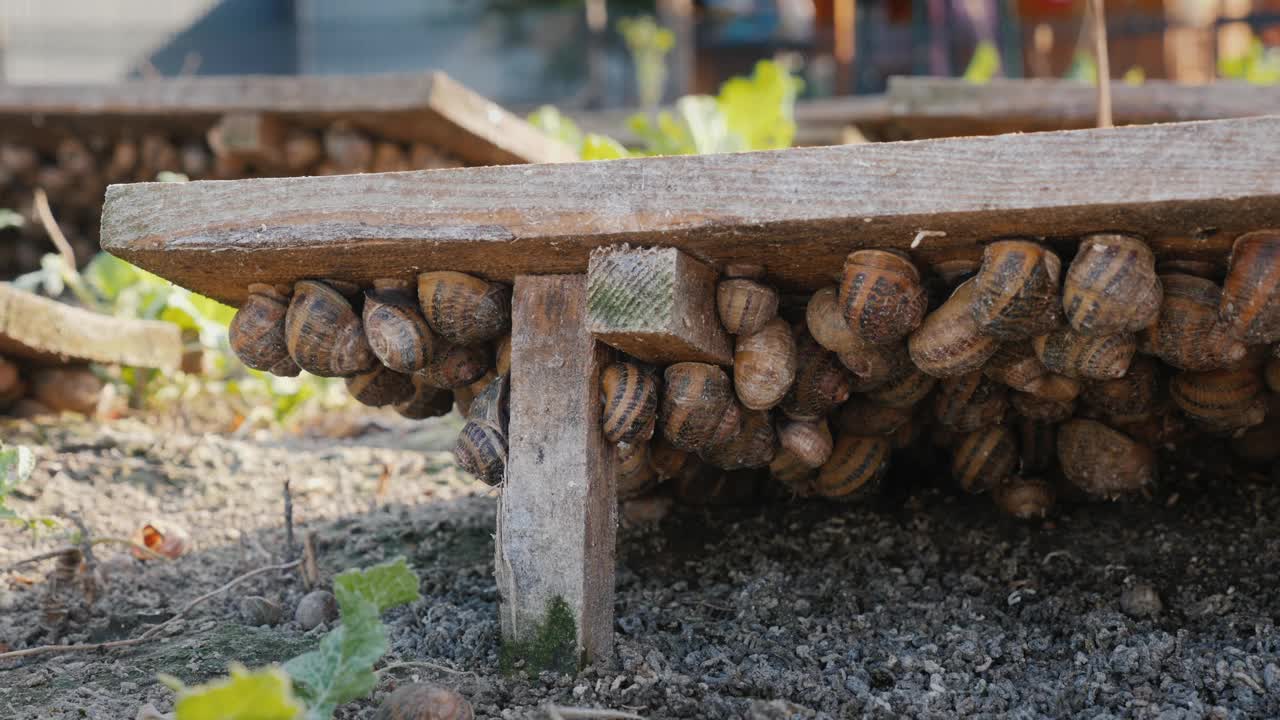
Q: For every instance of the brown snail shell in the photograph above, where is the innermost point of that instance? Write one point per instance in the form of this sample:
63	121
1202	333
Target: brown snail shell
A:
502	353
764	365
752	447
695	400
1207	269
380	386
907	434
874	365
881	296
1037	444
482	451
420	701
1111	286
906	387
745	305
1221	400
464	396
1103	462
453	366
397	332
257	334
1131	397
669	461
630	398
1250	306
428	401
948	342
324	334
1095	357
730	425
1015	364
861	416
66	388
464	309
794	474
822	382
1035	407
1015	293
967	402
1187	333
1271	373
810	442
635	476
984	458
827	323
1024	498
854	470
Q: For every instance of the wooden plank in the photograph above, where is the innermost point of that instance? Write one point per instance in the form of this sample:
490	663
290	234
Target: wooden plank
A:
656	304
557	516
249	136
46	331
1189	188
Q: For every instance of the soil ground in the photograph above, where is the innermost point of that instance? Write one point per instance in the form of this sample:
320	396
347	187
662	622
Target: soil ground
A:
922	604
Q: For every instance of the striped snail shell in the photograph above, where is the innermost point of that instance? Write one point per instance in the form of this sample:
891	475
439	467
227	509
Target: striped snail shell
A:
502	355
1024	498
793	474
257	332
1103	462
907	434
875	365
752	447
1251	294
695	400
827	324
428	401
630	397
419	701
967	402
730	425
745	305
1164	426
855	468
1094	357
1271	373
1015	364
984	458
881	296
464	396
1037	445
822	382
453	366
380	386
669	461
1015	294
948	342
1221	400
861	416
1207	269
324	334
397	332
810	442
1127	398
635	476
1035	407
1187	333
1111	286
464	309
492	404
764	365
904	389
482	445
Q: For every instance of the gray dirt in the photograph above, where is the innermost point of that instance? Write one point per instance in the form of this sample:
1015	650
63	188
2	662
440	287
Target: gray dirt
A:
922	604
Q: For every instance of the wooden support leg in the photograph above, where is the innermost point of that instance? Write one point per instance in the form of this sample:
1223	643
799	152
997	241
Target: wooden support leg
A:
557	515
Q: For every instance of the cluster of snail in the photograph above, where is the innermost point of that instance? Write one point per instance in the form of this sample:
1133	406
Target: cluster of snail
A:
28	391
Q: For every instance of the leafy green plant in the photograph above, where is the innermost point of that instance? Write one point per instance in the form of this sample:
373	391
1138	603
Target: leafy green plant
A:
312	685
1259	65
16	466
984	64
648	44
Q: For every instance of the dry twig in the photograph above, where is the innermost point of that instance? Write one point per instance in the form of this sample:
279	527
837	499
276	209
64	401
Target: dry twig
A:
96	541
560	712
1103	62
424	665
90	575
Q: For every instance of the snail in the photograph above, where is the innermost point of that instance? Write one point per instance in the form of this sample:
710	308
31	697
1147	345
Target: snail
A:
1024	498
380	386
1103	462
875	365
397	332
66	388
630	398
257	335
906	434
1111	286
1221	400
1035	407
861	416
1207	269
906	388
315	609
1037	445
1127	398
1095	357
428	401
465	395
482	445
809	442
418	701
669	461
821	383
752	447
984	458
1250	306
793	473
967	402
694	402
464	309
745	304
881	296
729	426
764	365
1187	333
855	467
948	342
635	476
1015	294
453	366
1016	365
324	334
827	324
502	355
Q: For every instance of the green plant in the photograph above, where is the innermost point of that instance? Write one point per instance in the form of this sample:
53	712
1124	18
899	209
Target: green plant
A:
312	685
984	64
648	44
1258	65
16	466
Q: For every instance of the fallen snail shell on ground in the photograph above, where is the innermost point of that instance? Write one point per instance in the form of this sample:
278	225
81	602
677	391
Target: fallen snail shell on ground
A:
1187	333
1250	306
1221	400
764	365
630	397
1103	462
635	476
1095	357
324	334
694	401
822	383
1024	498
428	401
861	416
984	458
745	305
1040	408
752	447
464	309
881	296
967	402
1111	286
380	386
827	324
1015	293
855	468
454	366
1126	398
257	332
810	442
948	342
420	701
397	332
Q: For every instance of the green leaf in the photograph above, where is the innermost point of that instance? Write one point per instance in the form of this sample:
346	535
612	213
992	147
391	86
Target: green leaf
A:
554	123
263	694
341	669
760	108
386	585
601	147
706	126
16	465
108	275
1083	68
984	64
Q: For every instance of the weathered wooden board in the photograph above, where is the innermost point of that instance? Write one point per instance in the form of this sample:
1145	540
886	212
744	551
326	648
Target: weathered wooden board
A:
557	516
1190	188
43	330
428	107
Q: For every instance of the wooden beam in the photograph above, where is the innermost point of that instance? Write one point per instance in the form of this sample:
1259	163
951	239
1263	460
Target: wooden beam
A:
249	136
656	304
45	331
557	515
1189	188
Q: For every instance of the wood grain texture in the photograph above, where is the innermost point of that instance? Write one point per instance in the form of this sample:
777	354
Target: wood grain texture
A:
46	331
656	304
1191	188
557	516
249	136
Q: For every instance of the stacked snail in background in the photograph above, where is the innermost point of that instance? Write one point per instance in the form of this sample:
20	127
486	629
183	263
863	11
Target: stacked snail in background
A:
28	391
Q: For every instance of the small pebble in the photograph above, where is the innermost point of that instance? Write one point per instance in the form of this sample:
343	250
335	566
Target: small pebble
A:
1141	600
420	701
316	608
256	610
